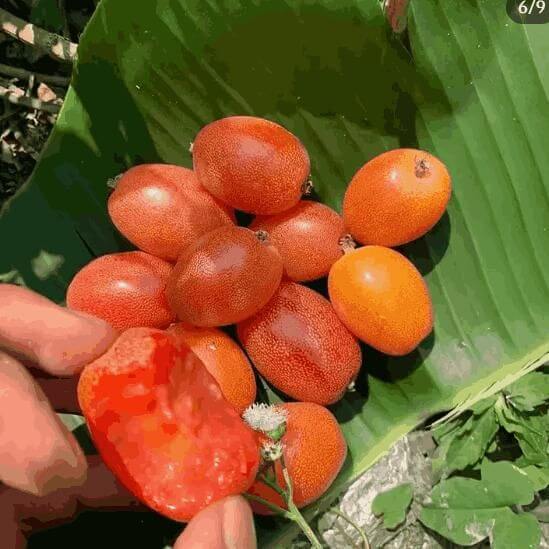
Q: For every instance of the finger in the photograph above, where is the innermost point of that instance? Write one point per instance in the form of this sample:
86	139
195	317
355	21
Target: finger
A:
61	393
37	452
227	524
58	340
21	512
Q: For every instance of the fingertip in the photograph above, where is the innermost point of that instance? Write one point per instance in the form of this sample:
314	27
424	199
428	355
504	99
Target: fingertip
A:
226	524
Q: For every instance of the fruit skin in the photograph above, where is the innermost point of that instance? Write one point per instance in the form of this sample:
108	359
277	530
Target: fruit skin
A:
162	425
396	197
162	208
224	359
307	237
314	452
300	346
382	298
251	163
224	277
125	289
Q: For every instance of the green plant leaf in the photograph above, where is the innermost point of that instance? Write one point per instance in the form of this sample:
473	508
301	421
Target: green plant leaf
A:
529	429
466	511
150	74
538	475
466	447
516	532
530	391
393	505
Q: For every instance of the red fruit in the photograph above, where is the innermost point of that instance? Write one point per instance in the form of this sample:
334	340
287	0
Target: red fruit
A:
161	209
125	289
300	346
161	424
396	197
224	277
307	237
251	164
224	359
314	452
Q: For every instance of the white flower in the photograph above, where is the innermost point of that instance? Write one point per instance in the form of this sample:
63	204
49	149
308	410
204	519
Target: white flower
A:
264	417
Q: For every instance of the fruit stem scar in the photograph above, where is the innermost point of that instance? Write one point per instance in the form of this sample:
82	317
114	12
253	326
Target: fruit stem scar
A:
262	236
423	169
307	187
347	243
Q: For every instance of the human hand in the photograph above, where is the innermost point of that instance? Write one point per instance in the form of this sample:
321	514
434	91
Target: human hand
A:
47	479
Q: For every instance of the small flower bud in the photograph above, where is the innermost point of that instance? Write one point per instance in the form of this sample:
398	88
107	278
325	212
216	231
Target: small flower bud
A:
271	451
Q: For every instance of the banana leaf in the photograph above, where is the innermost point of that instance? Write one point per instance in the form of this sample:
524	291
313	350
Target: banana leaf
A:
468	85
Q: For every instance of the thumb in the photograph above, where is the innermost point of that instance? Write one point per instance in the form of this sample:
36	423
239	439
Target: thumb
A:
227	524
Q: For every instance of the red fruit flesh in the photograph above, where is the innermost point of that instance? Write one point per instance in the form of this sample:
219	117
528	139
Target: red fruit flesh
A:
251	164
125	289
314	452
161	424
300	346
162	209
307	237
225	277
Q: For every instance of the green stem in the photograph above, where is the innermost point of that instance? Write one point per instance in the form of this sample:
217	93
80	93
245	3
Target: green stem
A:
272	484
294	511
299	519
271	506
360	531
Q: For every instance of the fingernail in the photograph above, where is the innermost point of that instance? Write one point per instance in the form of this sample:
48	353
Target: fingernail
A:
238	525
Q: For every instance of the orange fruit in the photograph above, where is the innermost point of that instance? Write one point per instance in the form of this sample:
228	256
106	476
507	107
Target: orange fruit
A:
251	163
382	298
161	209
300	346
224	359
396	197
125	289
307	237
224	277
314	452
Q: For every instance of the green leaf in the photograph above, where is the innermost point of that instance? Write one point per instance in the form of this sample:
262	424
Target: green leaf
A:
538	475
150	74
529	430
482	405
530	391
516	532
393	505
466	511
467	446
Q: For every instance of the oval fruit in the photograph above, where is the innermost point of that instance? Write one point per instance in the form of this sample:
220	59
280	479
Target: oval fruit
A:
162	209
251	164
224	359
300	346
382	298
125	289
307	237
314	450
224	277
162	425
396	197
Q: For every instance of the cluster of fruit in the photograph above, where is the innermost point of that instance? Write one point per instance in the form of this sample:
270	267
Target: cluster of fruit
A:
164	404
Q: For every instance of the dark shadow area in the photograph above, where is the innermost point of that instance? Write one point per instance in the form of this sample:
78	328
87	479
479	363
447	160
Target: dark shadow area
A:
392	368
427	251
110	530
